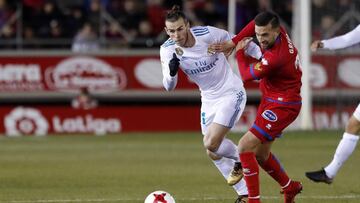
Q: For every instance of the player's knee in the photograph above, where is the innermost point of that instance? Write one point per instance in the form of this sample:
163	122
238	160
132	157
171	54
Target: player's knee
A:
245	145
210	143
261	158
353	126
212	155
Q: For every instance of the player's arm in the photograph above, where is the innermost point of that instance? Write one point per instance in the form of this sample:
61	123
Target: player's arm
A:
247	31
342	41
249	67
170	66
218	37
229	45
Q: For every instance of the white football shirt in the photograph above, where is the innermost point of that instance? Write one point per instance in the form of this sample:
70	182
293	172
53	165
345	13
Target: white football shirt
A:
210	71
346	40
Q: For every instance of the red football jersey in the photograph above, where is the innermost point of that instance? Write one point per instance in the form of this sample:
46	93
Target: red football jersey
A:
278	69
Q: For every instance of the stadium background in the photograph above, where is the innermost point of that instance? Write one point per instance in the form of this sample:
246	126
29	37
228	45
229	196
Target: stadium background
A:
50	50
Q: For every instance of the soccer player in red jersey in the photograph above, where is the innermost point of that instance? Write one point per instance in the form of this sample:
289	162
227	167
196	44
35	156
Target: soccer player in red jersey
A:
278	69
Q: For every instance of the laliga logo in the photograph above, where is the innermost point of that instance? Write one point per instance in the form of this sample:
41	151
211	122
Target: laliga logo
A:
25	121
159	197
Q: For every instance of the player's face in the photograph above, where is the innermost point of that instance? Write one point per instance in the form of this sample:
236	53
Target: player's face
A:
266	35
178	31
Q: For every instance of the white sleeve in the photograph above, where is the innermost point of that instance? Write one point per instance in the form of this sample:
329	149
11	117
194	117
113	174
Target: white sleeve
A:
219	35
343	41
168	81
253	50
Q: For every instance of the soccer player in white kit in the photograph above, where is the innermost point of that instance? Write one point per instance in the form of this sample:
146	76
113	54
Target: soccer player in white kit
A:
223	96
350	137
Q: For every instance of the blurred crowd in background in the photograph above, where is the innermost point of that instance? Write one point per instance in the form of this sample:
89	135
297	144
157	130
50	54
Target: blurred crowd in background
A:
95	24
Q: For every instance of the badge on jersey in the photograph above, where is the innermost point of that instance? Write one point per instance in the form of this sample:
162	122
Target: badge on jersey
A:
269	115
179	51
258	67
210	51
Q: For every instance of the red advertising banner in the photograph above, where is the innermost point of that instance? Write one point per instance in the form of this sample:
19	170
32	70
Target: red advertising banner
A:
45	120
118	73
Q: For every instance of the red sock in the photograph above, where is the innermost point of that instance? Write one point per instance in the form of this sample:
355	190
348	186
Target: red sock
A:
251	175
274	169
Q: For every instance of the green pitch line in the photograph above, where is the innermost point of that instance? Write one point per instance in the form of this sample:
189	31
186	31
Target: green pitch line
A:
126	167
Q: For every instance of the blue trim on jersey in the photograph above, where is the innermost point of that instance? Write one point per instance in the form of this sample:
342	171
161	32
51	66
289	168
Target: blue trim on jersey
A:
233	118
282	102
204	30
168	42
262	132
200	29
252	72
202	34
237	107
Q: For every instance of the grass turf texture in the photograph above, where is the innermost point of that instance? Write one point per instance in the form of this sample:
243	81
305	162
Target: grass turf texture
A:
127	167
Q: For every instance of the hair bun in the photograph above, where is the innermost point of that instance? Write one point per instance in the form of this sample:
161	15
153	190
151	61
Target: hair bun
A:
175	8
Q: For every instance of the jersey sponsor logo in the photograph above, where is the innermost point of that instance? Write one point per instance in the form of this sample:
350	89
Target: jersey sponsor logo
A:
269	115
202	66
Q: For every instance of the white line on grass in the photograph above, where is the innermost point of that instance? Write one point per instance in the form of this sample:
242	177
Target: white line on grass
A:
347	197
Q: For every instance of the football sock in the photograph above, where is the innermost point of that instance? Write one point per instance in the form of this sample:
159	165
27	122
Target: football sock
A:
228	149
342	153
251	175
225	166
273	167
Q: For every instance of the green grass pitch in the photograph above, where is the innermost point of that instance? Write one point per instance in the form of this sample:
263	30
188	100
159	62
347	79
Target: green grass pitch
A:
125	168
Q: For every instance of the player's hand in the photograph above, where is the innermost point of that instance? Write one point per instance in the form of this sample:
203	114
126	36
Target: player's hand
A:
244	43
174	65
317	44
225	47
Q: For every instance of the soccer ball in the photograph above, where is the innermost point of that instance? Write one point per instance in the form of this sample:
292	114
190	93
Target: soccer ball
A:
159	197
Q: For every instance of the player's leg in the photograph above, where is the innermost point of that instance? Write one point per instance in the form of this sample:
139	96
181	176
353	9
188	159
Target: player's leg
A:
343	151
272	166
271	119
216	121
228	110
225	165
215	142
247	147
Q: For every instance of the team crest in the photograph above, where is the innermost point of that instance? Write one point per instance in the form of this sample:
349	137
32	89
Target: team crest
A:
210	51
269	115
179	51
258	67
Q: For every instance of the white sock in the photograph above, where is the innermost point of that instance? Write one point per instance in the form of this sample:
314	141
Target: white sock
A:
342	153
228	149
225	166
